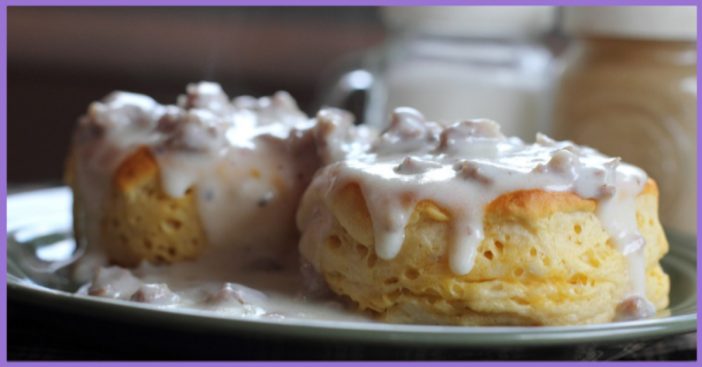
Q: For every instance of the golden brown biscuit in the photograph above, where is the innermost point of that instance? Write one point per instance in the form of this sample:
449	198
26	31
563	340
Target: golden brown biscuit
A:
140	221
545	260
168	183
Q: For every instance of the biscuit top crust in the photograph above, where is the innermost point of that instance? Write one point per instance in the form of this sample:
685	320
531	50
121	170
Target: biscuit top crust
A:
204	120
243	158
463	167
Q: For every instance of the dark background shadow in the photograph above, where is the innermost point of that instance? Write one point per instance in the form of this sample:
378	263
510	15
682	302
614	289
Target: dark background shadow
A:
61	59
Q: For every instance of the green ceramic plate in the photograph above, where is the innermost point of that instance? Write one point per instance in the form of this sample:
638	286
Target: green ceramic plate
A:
40	242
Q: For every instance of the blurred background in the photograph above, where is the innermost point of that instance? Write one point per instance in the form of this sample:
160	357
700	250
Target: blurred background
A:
61	59
621	79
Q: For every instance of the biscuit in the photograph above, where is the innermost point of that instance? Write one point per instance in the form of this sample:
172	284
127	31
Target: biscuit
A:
545	260
141	222
457	224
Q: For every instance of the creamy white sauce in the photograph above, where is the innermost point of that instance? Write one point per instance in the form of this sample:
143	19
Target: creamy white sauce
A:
263	289
249	161
463	167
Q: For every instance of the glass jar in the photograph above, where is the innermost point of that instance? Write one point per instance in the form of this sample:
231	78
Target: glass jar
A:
453	64
631	92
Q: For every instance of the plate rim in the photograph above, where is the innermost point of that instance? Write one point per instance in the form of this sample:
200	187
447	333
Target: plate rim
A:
377	333
363	332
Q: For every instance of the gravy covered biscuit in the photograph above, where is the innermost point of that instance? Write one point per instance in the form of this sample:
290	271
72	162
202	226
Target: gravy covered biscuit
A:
458	224
168	183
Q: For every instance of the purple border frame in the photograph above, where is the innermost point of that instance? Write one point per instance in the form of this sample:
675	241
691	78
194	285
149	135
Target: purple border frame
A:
699	175
3	181
3	145
339	2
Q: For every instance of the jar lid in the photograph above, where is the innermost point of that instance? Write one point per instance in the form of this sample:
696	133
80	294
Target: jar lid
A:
475	21
642	22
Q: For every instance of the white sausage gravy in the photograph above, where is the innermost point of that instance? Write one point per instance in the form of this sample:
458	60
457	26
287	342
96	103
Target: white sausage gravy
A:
249	159
225	147
463	167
